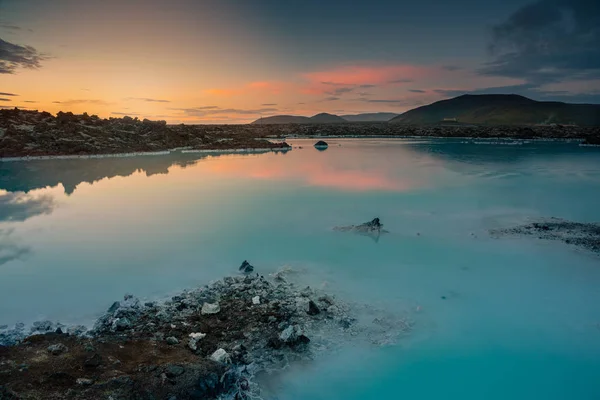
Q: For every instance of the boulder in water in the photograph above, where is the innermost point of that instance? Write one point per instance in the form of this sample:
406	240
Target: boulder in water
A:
321	144
246	267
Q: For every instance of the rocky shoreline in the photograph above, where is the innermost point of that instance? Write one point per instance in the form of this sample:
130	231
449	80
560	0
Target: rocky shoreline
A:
35	134
209	342
581	235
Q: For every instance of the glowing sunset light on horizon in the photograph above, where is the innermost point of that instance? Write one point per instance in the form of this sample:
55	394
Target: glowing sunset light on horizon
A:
220	62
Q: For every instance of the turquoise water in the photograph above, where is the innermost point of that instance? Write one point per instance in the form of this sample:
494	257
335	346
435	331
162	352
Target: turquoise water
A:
494	318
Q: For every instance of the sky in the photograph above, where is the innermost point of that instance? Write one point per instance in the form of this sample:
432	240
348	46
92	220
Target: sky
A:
233	61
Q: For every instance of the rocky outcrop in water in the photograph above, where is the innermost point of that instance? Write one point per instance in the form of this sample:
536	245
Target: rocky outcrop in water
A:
246	267
201	344
32	133
582	235
373	227
321	144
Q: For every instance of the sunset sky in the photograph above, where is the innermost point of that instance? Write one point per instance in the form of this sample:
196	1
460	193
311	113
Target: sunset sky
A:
228	61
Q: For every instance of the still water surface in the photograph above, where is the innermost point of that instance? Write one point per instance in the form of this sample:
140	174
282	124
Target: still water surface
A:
494	319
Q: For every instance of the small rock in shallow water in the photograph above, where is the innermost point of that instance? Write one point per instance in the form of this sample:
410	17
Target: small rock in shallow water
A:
208	308
172	340
246	267
57	349
256	300
220	356
85	382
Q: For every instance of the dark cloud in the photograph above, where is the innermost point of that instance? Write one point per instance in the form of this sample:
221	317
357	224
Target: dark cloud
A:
451	68
125	114
30	101
332	98
214	110
417	91
7	94
401	81
269	104
397	102
19	206
14	56
86	90
334	83
548	41
9	249
1	99
367	86
10	27
83	101
148	100
195	108
340	91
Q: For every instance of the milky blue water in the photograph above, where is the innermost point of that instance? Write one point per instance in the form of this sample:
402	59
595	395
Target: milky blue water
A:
514	318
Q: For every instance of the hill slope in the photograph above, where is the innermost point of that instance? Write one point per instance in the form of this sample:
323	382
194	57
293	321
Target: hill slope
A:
370	117
325	118
501	109
283	119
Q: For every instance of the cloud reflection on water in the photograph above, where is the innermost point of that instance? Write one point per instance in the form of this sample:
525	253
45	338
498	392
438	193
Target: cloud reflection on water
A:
19	206
352	169
9	249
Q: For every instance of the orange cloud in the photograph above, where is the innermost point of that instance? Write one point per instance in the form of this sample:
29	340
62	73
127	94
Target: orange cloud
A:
322	81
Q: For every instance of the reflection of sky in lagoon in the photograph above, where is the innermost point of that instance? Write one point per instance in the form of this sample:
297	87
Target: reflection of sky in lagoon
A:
520	309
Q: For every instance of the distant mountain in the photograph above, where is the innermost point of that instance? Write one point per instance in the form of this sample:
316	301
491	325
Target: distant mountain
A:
370	117
323	118
283	119
500	109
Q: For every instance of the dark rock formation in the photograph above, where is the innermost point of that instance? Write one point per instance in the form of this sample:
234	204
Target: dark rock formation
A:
583	235
246	268
372	227
321	144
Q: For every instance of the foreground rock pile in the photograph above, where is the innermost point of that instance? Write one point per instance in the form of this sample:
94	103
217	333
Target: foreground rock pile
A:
583	235
201	344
